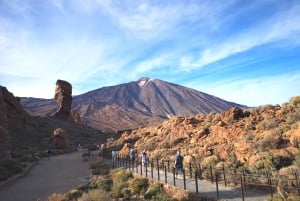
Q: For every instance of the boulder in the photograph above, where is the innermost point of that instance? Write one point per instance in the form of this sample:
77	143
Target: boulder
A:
60	140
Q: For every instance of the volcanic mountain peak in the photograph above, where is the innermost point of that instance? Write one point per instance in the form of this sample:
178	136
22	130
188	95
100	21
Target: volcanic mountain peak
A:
143	81
134	104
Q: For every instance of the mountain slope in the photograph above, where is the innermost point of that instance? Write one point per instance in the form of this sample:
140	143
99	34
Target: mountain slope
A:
135	104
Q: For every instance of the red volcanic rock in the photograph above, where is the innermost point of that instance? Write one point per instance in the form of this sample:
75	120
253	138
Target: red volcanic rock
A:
60	139
232	114
63	98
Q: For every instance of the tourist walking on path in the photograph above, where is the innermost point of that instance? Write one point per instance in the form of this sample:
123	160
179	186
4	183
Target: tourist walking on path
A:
132	154
178	164
144	160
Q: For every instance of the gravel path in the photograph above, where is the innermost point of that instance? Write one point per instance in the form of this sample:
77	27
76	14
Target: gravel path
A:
57	175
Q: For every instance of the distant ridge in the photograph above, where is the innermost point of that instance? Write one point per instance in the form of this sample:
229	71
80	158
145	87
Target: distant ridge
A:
135	104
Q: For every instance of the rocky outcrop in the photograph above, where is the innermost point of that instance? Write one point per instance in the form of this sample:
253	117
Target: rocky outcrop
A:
255	138
5	140
60	140
63	99
13	121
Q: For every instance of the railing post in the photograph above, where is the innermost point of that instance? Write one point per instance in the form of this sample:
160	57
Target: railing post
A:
152	169
297	182
217	185
174	178
270	184
168	166
196	182
191	174
224	176
166	179
184	181
141	168
211	174
158	176
146	166
242	187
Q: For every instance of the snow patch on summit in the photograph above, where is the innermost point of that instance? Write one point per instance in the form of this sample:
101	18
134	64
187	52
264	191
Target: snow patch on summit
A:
144	81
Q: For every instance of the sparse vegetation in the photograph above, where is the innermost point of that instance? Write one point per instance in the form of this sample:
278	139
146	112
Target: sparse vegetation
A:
295	100
9	167
117	184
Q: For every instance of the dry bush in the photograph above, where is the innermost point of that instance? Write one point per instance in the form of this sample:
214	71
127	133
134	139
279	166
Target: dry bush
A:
209	161
266	108
267	143
295	100
96	194
55	197
268	123
293	118
280	131
139	185
120	178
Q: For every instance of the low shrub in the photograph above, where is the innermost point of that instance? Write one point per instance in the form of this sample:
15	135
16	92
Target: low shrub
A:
139	185
153	190
295	100
96	194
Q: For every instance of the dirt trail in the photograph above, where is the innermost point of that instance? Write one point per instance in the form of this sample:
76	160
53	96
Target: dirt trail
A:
57	175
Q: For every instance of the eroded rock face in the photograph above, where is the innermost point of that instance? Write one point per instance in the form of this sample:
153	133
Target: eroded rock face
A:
63	98
4	135
10	109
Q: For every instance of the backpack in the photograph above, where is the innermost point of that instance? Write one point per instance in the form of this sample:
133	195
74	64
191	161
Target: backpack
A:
179	160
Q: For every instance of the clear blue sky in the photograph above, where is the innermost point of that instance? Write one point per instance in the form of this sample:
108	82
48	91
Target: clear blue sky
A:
245	51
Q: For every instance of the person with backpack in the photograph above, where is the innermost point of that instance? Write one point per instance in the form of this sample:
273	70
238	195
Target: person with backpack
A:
178	165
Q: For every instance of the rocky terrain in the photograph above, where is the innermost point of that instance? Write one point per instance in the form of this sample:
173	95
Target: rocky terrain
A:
263	138
135	104
23	136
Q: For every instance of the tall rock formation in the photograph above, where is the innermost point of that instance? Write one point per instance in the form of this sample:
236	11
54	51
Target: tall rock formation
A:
63	98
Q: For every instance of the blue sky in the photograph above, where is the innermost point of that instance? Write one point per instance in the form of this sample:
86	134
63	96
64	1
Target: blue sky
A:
245	51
